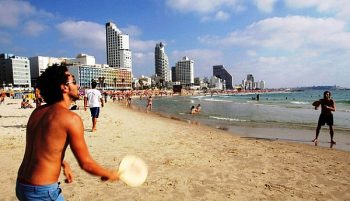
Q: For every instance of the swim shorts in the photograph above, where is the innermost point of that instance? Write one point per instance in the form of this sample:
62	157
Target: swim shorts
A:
326	118
95	111
32	192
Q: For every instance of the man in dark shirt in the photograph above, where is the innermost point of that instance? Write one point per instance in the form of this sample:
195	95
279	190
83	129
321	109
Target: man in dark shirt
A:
326	116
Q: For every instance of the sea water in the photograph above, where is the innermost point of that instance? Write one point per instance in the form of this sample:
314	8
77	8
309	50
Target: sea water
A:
284	111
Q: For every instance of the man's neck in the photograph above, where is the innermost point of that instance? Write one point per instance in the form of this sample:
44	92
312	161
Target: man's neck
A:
66	102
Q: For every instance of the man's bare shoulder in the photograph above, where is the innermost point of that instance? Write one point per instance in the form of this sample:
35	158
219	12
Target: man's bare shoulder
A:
56	113
69	116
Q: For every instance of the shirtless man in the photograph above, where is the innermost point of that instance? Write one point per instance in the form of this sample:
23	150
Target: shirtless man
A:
50	129
326	116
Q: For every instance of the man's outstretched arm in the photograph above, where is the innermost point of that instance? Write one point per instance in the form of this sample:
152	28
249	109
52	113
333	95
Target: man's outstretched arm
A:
81	152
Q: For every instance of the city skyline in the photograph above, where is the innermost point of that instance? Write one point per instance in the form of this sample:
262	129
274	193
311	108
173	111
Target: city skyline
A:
287	43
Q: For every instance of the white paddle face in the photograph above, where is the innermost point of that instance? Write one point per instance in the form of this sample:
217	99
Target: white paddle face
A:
133	170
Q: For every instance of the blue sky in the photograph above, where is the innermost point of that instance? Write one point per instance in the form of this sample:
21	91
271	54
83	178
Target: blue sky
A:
287	43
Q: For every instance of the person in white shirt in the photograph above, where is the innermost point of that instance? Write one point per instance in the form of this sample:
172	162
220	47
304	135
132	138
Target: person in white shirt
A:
92	99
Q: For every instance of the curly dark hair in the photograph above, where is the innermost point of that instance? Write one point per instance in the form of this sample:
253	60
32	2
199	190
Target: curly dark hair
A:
49	83
326	92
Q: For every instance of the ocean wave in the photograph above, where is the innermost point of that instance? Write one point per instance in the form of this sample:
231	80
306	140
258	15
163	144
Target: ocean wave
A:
344	101
198	97
300	103
217	100
228	119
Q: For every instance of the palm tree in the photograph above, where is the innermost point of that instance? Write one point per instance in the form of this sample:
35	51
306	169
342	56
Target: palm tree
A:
115	82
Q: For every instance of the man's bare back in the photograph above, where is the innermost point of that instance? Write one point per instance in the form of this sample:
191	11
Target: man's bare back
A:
43	159
50	129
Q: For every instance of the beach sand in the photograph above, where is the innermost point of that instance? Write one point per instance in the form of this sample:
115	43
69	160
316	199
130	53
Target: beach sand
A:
185	161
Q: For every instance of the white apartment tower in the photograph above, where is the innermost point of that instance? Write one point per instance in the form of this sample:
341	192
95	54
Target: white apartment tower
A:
184	71
117	45
14	71
161	62
38	65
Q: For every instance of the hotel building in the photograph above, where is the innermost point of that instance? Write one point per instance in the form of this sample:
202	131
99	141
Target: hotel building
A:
84	69
14	71
183	72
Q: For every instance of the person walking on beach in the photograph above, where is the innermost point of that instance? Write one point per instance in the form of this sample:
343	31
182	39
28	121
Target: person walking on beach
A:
326	116
50	129
2	98
149	103
93	98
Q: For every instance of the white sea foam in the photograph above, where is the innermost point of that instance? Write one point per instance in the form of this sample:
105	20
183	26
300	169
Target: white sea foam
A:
217	100
228	119
300	103
343	110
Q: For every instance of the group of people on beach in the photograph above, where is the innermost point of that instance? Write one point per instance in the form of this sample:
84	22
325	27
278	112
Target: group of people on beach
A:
196	110
53	127
25	104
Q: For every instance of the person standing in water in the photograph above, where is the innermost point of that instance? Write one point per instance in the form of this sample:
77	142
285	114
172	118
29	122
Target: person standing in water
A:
149	103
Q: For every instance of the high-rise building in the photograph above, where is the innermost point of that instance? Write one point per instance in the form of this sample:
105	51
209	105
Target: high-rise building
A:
249	83
184	72
220	72
173	74
262	84
119	54
161	62
117	45
14	71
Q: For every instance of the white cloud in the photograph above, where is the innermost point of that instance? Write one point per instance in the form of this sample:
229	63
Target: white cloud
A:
203	6
222	16
219	16
14	12
266	6
91	36
34	28
142	46
83	34
132	30
204	59
293	49
143	63
288	34
340	8
321	5
251	53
